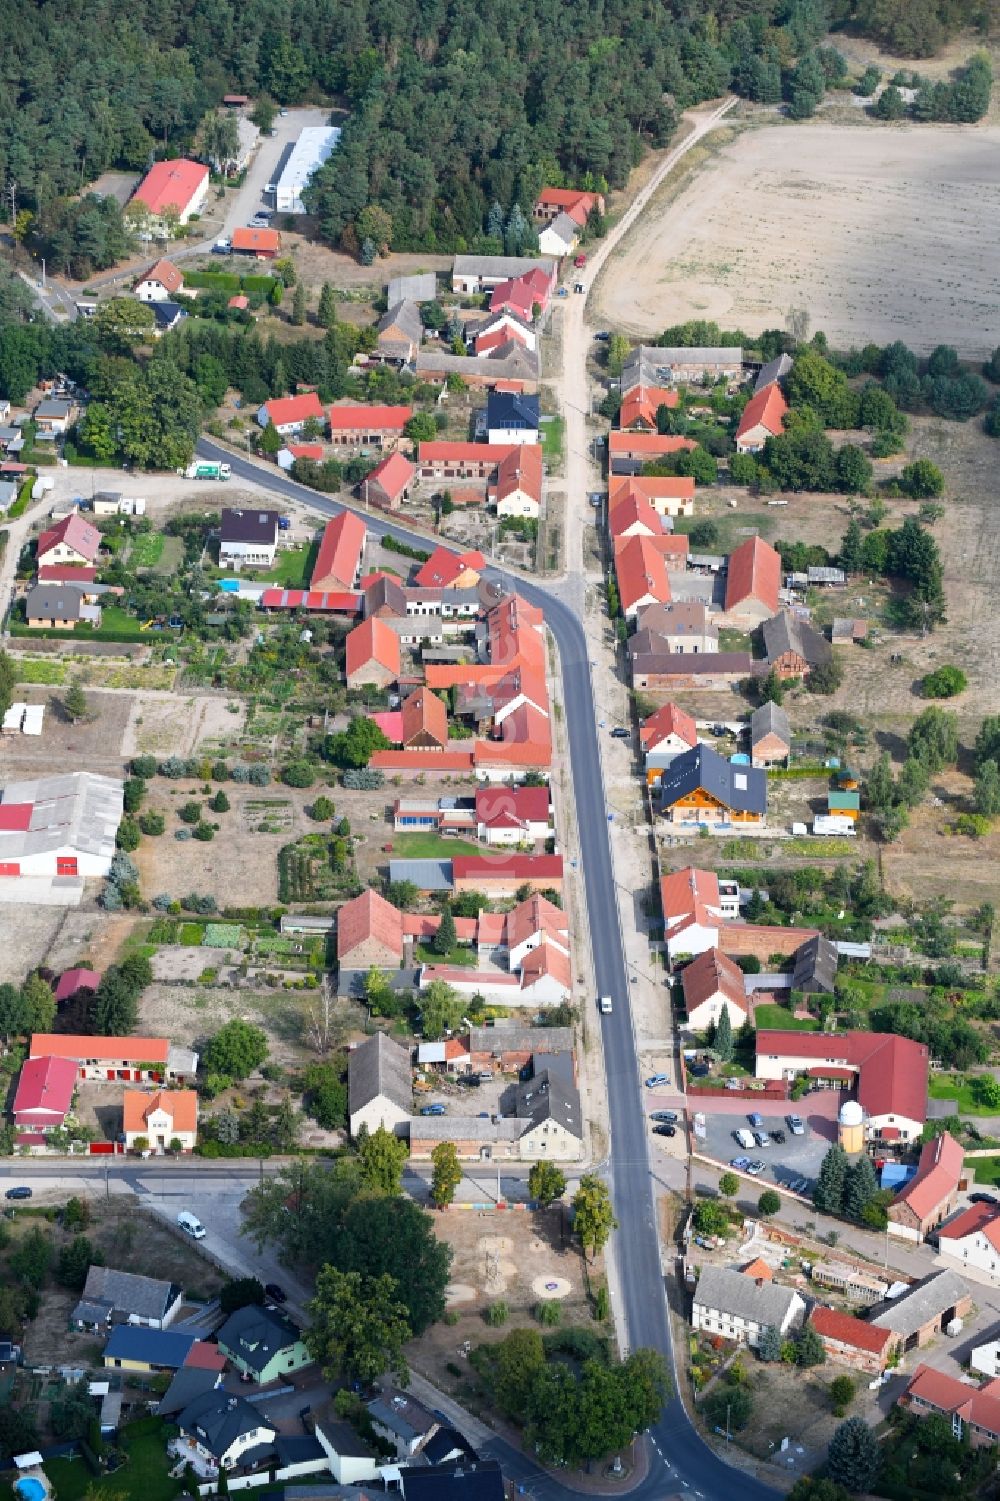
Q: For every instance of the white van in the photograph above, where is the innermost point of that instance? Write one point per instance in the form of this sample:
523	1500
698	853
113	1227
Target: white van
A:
604	1005
746	1139
194	1227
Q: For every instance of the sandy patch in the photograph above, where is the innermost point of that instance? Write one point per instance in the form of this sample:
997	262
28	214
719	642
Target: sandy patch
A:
459	1292
551	1287
881	233
172	725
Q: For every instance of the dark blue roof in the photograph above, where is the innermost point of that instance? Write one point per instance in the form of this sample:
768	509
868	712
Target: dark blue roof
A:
508	409
743	788
462	1481
162	1347
167	313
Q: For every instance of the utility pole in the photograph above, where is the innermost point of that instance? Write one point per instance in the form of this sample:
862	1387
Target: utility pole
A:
729	1436
12	192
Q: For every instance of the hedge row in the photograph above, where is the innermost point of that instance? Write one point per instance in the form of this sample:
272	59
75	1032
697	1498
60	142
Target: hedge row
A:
229	281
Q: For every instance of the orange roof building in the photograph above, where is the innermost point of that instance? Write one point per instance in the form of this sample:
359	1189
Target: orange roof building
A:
128	1058
177	186
338	562
931	1195
354	423
668	494
288	413
265	244
389	483
164	1118
445	569
971	1409
552	202
641	571
369	931
517	488
373	654
425	721
161	281
853	1341
713	983
640	406
669	726
763	418
753	581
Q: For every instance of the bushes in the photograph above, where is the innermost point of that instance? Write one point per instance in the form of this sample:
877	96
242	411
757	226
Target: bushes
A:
944	682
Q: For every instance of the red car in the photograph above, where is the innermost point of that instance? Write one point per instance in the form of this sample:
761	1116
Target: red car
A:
581	260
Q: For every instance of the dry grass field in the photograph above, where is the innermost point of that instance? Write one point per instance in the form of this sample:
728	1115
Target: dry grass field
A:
882	233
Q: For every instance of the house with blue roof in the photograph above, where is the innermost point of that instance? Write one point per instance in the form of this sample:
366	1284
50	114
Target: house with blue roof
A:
512	417
132	1348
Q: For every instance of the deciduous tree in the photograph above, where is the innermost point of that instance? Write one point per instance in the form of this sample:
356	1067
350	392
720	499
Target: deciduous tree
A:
357	1326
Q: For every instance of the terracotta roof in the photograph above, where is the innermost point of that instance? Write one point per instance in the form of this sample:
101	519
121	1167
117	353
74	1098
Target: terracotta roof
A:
520	469
205	1357
569	199
512	807
827	1071
368	916
45	1089
830	1324
394	474
632	514
74	532
547	959
352	417
526	725
166	274
536	753
516	294
670	720
171	184
980	1406
754	573
443	449
758	1268
642	403
372	641
443	567
282	410
641	571
423	925
536	915
978	1219
765	409
424	714
338	602
180	1104
937	1176
340	552
710	973
128	1049
508	867
691	892
259	241
646	445
312	451
892	1077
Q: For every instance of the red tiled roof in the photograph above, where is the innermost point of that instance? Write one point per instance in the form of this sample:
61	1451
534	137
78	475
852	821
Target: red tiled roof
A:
568	199
74	532
424	925
282	410
754	573
128	1049
166	274
239	302
312	451
633	510
892	1078
520	469
670	720
508	867
766	409
171	184
547	959
642	403
536	914
710	973
205	1357
45	1088
653	486
424	714
369	916
394	474
373	641
336	602
443	567
73	980
980	1406
339	557
512	807
353	417
689	892
758	1269
641	571
180	1104
259	241
830	1324
444	449
66	573
937	1175
977	1219
646	445
824	1071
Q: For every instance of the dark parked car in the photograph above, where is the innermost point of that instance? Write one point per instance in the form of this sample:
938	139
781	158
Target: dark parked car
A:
778	1137
275	1293
664	1130
973	1199
699	1070
18	1193
663	1115
621	733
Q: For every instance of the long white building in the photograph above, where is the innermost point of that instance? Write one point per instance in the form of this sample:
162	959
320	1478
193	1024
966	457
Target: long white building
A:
54	833
315	144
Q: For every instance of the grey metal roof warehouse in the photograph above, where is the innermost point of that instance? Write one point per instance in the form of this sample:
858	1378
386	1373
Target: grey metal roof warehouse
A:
429	875
77	808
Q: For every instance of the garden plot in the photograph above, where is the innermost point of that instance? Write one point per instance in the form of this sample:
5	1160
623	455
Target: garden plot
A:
194	1013
883	235
168	725
267	815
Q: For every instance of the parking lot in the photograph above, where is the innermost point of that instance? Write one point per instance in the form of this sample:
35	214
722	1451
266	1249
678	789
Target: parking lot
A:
795	1159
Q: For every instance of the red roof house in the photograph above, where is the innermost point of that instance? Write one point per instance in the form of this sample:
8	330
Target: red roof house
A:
353	423
177	185
503	874
450	570
72	981
389	483
369	931
44	1092
976	1409
425	721
753	579
641	571
853	1342
65	573
162	279
372	654
931	1195
891	1071
338	562
71	540
640	406
763	418
713	983
512	815
552	202
288	413
669	724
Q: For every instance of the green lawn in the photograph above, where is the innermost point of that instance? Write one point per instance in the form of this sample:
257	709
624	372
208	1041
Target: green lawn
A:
171	555
958	1088
986	1169
780	1019
417	846
551	432
38	670
146	549
461	955
292	568
144	1478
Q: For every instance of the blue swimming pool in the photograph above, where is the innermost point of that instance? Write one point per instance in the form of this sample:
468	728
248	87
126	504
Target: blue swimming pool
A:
30	1489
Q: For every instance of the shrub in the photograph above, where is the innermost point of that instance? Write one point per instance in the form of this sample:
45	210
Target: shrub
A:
497	1314
189	812
143	767
298	774
944	682
203	831
548	1313
152	823
220	803
259	776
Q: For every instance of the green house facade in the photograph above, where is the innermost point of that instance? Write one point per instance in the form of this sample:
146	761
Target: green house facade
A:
262	1344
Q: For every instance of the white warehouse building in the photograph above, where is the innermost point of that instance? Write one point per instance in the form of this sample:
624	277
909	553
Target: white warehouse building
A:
315	144
55	832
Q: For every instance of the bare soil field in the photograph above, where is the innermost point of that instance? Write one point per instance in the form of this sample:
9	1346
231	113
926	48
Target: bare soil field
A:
176	725
92	744
190	1014
55	936
881	233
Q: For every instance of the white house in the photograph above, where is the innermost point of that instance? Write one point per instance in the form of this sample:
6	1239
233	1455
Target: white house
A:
289	414
713	983
248	537
532	922
379	1085
739	1307
162	1119
352	1462
219	1428
161	282
986	1359
694	909
888	1072
972	1239
513	815
559	237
